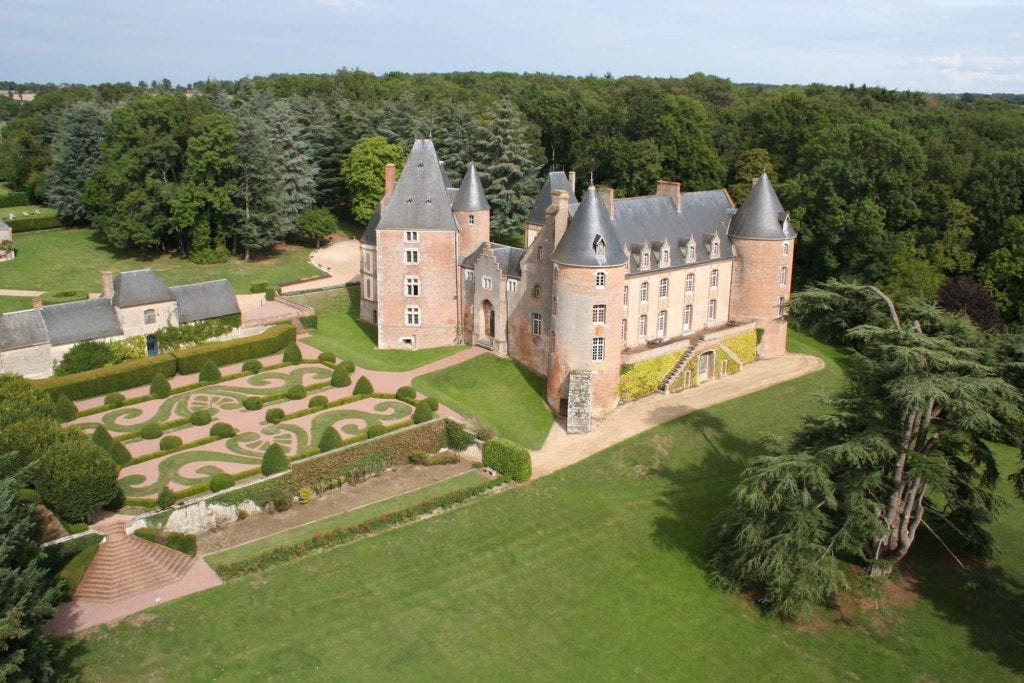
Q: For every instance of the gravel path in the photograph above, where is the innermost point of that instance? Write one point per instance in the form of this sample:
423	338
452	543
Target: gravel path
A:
339	260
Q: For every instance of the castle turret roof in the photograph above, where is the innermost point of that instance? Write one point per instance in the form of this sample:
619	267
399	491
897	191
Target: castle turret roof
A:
761	217
590	239
557	180
470	196
420	199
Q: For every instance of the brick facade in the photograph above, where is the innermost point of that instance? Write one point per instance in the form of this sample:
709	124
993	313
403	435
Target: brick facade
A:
760	293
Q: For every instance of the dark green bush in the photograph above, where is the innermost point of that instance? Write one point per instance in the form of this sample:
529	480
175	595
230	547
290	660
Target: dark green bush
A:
74	476
84	356
209	372
282	501
9	199
114	399
176	337
292	354
151	430
101	437
252	402
275	415
222	353
330	440
340	378
310	322
271	293
222	430
423	413
457	437
201	417
295	392
66	409
252	365
131	373
375	430
407	394
258	287
363	386
170	441
327	357
33	223
159	387
119	453
115	449
166	498
508	458
318	401
432	402
221	481
349	366
28	496
274	460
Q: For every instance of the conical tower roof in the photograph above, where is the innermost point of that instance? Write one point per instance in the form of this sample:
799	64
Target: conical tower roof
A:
470	196
420	198
590	239
761	217
556	180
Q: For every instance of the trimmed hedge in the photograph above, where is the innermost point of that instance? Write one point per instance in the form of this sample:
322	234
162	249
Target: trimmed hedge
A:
310	322
407	394
295	392
14	198
340	377
292	354
30	223
201	417
508	458
131	373
221	481
318	401
169	442
159	387
363	386
114	399
457	437
423	413
327	357
426	459
222	430
222	353
252	402
151	430
375	430
330	440
252	365
274	460
66	409
209	372
275	415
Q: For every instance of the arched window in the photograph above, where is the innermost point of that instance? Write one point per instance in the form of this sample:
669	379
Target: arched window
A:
149	316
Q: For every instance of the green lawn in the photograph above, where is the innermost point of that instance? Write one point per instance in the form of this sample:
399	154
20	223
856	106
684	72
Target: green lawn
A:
30	208
497	392
14	303
73	259
458	483
595	572
341	332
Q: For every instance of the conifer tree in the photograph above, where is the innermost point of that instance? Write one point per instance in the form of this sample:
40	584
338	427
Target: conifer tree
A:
508	170
76	153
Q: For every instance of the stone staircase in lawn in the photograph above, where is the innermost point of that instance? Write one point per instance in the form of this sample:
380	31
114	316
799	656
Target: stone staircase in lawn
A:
666	384
126	565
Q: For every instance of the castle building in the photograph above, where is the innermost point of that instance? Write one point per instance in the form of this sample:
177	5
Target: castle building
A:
603	284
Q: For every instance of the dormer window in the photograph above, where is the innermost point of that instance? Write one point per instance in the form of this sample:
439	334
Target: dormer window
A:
714	248
691	252
645	263
665	257
599	248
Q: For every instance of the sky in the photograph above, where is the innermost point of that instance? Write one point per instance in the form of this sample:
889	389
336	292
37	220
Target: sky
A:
931	45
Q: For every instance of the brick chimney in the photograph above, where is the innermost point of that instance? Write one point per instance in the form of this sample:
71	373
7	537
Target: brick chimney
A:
667	188
37	303
607	197
560	210
389	183
108	284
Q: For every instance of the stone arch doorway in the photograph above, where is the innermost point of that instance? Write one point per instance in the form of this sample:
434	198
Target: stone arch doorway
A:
487	319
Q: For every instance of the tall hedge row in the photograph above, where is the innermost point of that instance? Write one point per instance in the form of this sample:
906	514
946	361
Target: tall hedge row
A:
222	353
9	199
508	458
132	373
30	223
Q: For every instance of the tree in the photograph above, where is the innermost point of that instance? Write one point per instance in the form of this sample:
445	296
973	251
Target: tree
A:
316	224
963	294
76	154
1002	272
74	476
19	400
749	166
906	442
508	169
363	174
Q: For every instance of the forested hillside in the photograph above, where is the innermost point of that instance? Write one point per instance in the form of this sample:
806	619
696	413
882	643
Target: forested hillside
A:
922	194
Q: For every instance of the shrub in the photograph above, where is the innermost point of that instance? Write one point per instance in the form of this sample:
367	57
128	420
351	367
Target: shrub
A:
252	365
258	287
169	442
222	353
209	372
375	430
306	495
330	440
221	481
423	413
282	501
119	454
443	458
349	366
456	436
274	460
327	357
201	417
74	476
101	437
131	373
340	378
66	409
485	432
508	458
115	449
9	199
432	402
363	386
295	392
252	402
166	498
275	415
318	401
189	334
222	430
34	223
159	387
310	322
292	354
151	430
183	543
114	399
271	293
407	394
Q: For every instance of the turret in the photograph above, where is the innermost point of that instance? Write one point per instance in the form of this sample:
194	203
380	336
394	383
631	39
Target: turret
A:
764	241
472	212
589	275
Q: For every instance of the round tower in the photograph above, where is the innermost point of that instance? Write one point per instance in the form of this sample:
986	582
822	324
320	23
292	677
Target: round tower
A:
589	274
764	242
472	212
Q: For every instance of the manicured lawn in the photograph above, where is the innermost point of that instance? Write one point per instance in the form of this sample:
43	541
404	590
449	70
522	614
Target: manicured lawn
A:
458	483
30	208
74	259
497	392
595	572
14	303
341	332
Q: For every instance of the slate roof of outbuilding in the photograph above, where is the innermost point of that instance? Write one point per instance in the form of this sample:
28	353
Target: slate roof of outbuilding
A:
761	217
590	224
21	329
138	288
81	320
557	180
470	196
508	258
205	300
420	198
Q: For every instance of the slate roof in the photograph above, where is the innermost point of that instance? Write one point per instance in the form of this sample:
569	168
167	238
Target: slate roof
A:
509	258
557	180
205	300
80	320
21	329
420	199
761	217
5	231
370	234
470	196
578	247
138	288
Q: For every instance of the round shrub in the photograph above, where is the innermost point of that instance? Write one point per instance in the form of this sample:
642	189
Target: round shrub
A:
327	357
456	436
508	458
114	399
423	413
340	378
252	403
169	442
432	402
221	481
201	417
166	498
275	415
376	429
296	392
66	409
363	386
101	437
151	430
282	501
330	440
222	430
209	372
274	460
292	354
159	387
74	476
407	394
349	366
252	365
318	401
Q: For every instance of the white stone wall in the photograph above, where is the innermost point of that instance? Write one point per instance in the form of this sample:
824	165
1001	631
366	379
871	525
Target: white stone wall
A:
133	320
34	362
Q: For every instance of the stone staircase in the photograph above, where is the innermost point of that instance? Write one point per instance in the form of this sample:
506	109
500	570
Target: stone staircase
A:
666	383
125	565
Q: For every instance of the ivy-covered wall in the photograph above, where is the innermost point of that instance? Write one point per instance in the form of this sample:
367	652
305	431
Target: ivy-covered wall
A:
643	378
744	345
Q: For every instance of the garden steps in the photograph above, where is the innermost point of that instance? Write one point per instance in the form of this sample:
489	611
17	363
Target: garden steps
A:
125	565
666	384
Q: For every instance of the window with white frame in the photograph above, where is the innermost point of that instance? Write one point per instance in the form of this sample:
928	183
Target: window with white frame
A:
785	248
662	317
149	316
412	315
599	313
486	282
689	282
783	275
714	278
643	292
625	296
412	256
412	286
642	327
599	279
597	349
663	288
645	262
687	318
368	261
665	257
472	219
537	323
622	333
368	288
540	252
513	285
714	249
712	309
691	253
470	275
412	236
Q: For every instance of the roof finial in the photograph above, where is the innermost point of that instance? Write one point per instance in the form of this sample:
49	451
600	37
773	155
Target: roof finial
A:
591	177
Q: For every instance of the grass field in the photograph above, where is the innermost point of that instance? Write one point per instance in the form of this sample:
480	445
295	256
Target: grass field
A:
44	212
341	332
74	259
497	392
14	303
594	572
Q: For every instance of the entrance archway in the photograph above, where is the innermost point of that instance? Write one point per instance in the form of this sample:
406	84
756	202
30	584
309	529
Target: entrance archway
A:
705	365
487	319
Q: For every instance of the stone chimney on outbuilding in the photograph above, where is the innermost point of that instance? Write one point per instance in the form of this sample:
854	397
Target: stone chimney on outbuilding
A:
37	303
560	208
108	284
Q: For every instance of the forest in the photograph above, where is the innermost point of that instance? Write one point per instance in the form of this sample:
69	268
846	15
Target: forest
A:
920	194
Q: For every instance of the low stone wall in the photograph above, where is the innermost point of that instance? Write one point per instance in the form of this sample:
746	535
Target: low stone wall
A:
632	357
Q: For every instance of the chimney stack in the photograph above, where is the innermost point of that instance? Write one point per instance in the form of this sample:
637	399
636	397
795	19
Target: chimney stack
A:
37	303
572	181
607	197
389	182
667	188
560	209
108	284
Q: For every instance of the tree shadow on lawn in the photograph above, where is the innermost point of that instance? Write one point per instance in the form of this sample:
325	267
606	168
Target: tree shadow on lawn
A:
97	238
